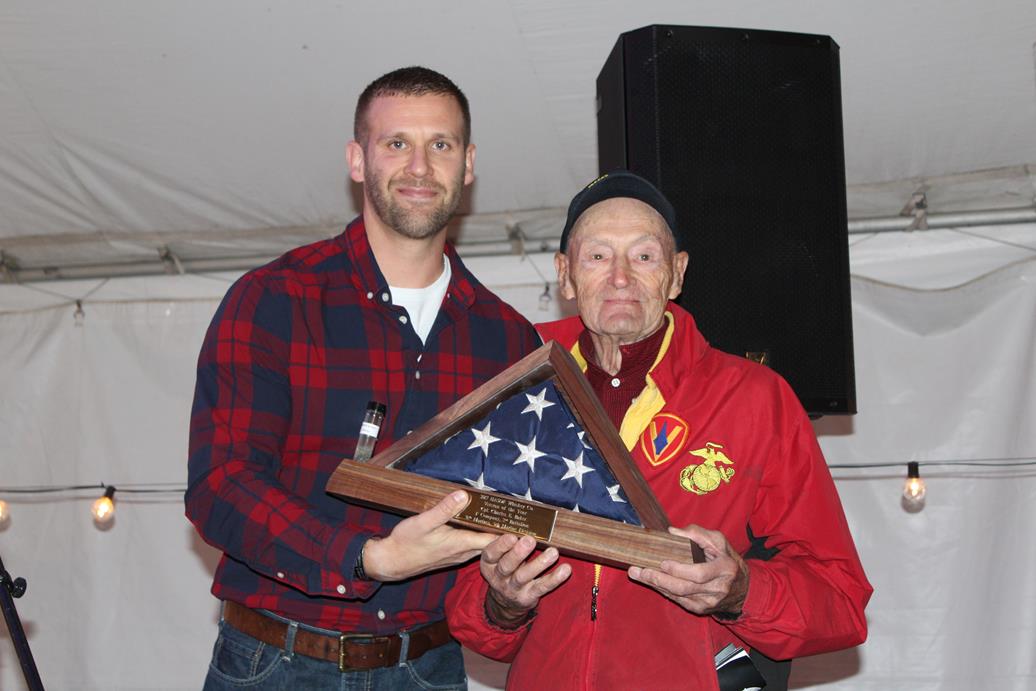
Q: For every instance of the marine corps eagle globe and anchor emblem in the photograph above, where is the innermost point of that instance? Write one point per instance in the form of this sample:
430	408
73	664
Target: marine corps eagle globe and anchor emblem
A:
708	475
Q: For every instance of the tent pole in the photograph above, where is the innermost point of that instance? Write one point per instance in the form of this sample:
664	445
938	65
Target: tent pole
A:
12	273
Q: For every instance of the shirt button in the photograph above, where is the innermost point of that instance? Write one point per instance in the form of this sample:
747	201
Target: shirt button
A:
280	575
384	297
370	295
417	375
381	614
402	320
616	382
340	589
419	356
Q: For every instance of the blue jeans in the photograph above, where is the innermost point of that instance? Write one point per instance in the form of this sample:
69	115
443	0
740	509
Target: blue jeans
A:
241	662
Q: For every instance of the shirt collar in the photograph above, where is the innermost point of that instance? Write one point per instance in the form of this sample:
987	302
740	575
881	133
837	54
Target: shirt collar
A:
367	276
637	358
462	286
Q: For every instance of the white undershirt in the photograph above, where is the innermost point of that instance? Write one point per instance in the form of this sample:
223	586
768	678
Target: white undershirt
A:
422	304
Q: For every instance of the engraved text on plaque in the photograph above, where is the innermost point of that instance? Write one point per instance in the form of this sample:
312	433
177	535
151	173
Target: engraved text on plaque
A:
510	515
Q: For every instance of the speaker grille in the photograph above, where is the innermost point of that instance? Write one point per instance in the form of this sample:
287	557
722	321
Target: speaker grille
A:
742	131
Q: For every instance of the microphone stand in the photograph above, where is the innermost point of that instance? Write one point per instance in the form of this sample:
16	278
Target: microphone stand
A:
9	589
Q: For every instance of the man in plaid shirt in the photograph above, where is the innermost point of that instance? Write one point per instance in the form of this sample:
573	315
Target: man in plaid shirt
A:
317	592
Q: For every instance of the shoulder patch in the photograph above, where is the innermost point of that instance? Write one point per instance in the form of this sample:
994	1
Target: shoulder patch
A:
663	438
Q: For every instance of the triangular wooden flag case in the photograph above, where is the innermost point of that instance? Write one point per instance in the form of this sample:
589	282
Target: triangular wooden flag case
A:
385	482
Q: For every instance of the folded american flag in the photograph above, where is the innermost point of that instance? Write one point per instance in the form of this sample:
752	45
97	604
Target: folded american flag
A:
531	446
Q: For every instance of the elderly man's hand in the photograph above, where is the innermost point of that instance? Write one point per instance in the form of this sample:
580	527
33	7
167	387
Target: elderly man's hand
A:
515	581
717	586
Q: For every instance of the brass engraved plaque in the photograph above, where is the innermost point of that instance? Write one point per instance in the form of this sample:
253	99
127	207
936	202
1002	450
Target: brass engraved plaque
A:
509	514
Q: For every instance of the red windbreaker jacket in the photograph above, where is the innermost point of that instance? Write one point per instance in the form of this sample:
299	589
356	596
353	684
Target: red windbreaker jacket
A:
724	443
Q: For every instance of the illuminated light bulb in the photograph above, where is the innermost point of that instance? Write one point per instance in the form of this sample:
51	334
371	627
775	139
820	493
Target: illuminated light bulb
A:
104	508
5	514
913	490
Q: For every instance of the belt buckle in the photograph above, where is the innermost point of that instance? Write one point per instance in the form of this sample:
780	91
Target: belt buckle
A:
342	640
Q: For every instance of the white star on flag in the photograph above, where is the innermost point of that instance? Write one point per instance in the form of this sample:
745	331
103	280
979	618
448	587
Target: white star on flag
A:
528	454
537	403
583	439
527	495
613	492
576	469
483	438
480	483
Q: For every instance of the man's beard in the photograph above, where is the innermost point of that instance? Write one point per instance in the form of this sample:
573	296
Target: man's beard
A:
417	223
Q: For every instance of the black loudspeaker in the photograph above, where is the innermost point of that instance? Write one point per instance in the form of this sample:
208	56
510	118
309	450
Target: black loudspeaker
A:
742	131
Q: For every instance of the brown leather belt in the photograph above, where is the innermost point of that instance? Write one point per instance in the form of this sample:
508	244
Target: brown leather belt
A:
352	651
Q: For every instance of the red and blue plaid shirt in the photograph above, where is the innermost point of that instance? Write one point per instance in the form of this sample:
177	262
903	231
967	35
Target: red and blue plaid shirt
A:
294	353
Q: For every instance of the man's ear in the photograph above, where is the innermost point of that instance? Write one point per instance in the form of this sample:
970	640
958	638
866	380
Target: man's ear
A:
564	279
680	260
469	164
354	156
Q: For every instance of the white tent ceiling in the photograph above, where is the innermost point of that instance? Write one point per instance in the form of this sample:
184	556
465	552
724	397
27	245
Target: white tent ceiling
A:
217	129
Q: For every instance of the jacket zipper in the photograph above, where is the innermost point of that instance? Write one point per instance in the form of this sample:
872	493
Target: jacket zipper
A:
594	591
588	683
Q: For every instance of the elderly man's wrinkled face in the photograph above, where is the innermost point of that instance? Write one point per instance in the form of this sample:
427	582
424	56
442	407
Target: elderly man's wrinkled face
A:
622	268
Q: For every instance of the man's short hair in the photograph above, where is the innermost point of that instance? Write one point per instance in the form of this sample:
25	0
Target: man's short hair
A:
409	81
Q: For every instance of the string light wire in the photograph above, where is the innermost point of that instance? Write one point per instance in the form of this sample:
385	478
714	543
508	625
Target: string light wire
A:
148	488
178	487
972	462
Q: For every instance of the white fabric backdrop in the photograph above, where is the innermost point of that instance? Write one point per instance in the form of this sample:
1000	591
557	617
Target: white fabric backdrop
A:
944	332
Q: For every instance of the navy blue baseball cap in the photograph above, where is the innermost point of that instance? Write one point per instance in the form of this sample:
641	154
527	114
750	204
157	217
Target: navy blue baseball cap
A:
618	183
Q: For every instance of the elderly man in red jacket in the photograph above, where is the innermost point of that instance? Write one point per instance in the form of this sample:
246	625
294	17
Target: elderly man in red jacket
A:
729	453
